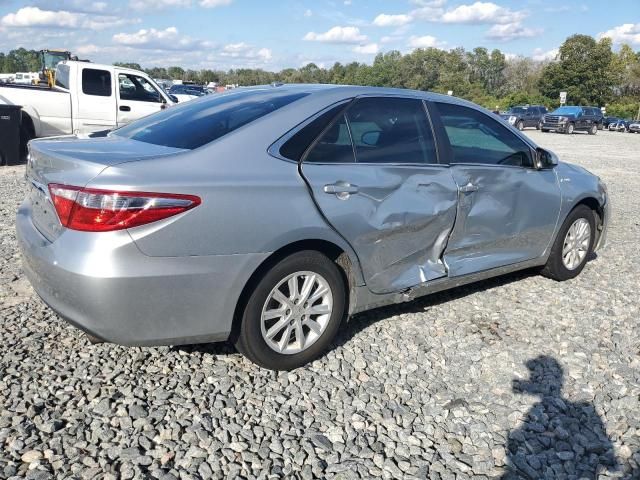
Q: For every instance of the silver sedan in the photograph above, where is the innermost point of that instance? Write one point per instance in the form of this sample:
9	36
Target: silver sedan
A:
265	216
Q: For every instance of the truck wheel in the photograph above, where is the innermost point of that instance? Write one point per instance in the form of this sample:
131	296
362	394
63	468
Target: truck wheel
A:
570	128
520	125
539	126
593	130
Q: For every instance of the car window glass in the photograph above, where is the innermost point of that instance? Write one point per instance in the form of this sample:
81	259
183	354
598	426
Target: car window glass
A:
96	82
477	138
62	76
139	89
334	146
391	130
192	124
295	147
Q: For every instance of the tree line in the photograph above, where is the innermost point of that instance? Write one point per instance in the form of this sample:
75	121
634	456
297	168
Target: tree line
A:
589	70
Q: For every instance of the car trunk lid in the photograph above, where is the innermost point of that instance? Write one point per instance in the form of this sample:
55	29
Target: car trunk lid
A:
72	161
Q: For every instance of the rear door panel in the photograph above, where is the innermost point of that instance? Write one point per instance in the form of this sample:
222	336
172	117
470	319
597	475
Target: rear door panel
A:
398	222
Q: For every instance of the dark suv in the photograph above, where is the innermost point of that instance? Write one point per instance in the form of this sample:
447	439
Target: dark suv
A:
525	116
568	119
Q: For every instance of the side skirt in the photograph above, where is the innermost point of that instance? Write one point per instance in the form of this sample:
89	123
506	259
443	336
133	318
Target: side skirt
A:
365	300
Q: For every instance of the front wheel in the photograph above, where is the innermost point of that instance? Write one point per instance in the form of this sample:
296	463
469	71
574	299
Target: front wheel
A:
593	130
573	245
294	312
570	129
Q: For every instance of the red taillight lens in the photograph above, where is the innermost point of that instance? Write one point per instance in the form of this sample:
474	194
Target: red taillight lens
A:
93	210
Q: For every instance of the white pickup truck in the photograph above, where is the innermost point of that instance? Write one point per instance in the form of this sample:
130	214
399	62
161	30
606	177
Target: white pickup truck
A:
87	98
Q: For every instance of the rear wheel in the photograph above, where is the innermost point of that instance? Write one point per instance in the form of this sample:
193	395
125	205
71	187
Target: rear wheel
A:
539	126
573	245
293	313
520	125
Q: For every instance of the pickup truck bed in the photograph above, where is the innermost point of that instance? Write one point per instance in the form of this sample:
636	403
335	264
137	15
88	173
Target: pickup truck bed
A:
48	108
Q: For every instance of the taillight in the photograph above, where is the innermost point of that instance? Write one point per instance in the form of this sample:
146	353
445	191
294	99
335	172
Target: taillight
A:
93	210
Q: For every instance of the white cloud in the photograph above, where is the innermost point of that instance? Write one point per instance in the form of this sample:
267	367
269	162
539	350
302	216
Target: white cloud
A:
541	55
167	39
308	12
338	35
426	41
367	49
148	5
214	3
512	31
626	33
29	17
385	20
482	12
244	50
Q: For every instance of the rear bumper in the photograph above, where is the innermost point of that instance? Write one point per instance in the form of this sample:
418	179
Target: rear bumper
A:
103	284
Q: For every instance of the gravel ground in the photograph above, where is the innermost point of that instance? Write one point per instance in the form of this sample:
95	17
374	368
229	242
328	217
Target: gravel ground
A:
518	377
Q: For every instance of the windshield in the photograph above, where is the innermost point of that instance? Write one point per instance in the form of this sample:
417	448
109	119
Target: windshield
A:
567	111
193	124
517	110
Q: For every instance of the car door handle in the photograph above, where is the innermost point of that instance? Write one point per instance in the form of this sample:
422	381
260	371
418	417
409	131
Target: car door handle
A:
125	108
468	188
341	189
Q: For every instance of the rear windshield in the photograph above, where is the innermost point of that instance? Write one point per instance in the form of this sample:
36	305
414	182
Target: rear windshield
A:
197	123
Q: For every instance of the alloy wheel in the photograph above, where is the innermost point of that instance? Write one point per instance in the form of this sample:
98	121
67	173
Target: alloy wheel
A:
296	312
576	244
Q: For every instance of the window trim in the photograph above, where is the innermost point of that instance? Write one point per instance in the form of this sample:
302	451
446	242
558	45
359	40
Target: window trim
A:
417	98
448	151
157	89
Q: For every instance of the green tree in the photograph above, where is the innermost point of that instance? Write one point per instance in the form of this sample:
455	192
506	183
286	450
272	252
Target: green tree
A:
134	66
583	70
175	73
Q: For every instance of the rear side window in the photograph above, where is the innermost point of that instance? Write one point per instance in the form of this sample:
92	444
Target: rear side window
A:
476	138
391	130
334	146
62	76
96	82
193	124
295	147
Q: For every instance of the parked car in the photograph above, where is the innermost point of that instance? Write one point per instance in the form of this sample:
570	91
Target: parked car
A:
266	215
185	93
525	116
88	97
606	121
634	126
569	119
620	125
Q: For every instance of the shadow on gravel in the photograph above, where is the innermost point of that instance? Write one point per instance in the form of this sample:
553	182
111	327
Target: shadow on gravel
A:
558	438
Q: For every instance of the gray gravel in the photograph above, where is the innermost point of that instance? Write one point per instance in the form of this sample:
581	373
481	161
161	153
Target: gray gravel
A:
518	377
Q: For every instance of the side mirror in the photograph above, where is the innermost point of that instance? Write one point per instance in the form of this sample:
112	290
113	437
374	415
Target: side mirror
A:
370	138
544	159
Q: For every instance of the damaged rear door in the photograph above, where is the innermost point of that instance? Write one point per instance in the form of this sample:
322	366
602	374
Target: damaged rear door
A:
375	176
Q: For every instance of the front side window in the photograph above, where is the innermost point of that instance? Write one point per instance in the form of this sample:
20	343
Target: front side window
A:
136	88
96	82
193	124
476	138
391	130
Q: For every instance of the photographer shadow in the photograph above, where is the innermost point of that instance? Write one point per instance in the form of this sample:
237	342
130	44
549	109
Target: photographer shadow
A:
558	438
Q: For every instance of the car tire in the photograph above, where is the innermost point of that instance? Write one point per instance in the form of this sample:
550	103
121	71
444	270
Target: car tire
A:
559	268
570	129
520	125
539	126
259	336
593	130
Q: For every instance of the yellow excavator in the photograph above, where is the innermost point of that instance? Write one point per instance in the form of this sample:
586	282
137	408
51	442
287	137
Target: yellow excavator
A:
49	60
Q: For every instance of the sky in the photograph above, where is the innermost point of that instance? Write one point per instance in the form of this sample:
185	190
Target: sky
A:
224	34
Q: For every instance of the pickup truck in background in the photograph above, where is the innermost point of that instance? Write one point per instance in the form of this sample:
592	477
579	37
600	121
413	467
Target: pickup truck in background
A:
86	98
